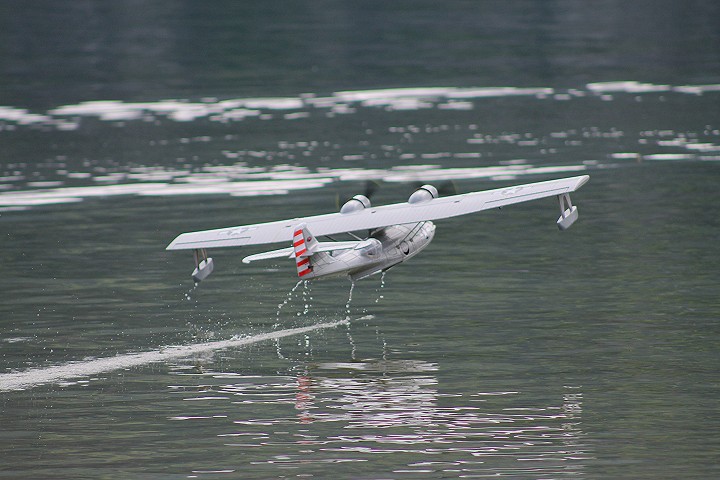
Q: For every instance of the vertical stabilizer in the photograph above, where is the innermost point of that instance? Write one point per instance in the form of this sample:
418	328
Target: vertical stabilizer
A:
304	245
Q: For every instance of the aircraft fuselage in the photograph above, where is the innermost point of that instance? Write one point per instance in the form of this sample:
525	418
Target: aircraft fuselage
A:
385	248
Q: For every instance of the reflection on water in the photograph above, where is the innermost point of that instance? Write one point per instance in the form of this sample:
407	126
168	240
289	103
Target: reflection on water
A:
344	413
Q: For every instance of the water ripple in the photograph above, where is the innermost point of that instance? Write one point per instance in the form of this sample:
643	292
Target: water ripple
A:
380	408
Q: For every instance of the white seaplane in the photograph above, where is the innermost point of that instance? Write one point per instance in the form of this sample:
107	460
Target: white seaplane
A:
394	233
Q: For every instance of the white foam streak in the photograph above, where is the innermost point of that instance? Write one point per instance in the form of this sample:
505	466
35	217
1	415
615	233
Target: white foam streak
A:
21	116
273	103
71	194
237	181
669	156
391	93
468	93
697	89
343	102
42	376
161	182
506	172
626	87
177	110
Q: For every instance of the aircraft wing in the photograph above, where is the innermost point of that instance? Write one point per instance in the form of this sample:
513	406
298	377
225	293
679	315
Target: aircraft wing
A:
376	217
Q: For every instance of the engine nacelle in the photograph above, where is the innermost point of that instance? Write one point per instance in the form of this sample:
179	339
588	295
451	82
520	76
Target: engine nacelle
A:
355	204
423	194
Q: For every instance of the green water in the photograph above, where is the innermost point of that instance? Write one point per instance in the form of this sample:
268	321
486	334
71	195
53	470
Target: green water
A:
507	348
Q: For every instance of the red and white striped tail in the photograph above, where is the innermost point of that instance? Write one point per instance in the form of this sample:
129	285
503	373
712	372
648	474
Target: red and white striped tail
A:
303	244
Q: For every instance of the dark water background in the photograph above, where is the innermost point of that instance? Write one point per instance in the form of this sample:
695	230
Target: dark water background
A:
506	349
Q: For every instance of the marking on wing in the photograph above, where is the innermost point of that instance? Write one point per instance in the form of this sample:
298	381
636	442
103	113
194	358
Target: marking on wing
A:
511	191
238	232
548	192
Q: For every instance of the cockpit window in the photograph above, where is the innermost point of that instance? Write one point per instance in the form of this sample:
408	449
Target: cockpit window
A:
369	248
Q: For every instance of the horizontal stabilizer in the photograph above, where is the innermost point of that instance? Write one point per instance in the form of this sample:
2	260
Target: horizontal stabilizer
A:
281	253
289	252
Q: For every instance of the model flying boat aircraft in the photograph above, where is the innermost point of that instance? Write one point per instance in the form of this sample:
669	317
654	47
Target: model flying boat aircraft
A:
394	233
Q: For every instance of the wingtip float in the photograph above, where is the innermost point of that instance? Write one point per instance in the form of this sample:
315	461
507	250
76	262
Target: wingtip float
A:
395	233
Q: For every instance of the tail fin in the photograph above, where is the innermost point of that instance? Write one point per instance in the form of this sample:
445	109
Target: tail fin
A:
304	244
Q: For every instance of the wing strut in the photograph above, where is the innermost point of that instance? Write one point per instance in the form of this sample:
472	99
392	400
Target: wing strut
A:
203	265
568	213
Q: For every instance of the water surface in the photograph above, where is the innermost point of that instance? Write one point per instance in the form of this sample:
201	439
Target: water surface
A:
506	349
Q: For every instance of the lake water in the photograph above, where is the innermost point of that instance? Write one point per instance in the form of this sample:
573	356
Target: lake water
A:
506	349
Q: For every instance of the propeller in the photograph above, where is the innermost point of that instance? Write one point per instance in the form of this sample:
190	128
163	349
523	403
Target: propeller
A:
371	186
445	189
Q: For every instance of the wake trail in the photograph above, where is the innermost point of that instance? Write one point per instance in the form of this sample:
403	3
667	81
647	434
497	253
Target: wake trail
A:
47	375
